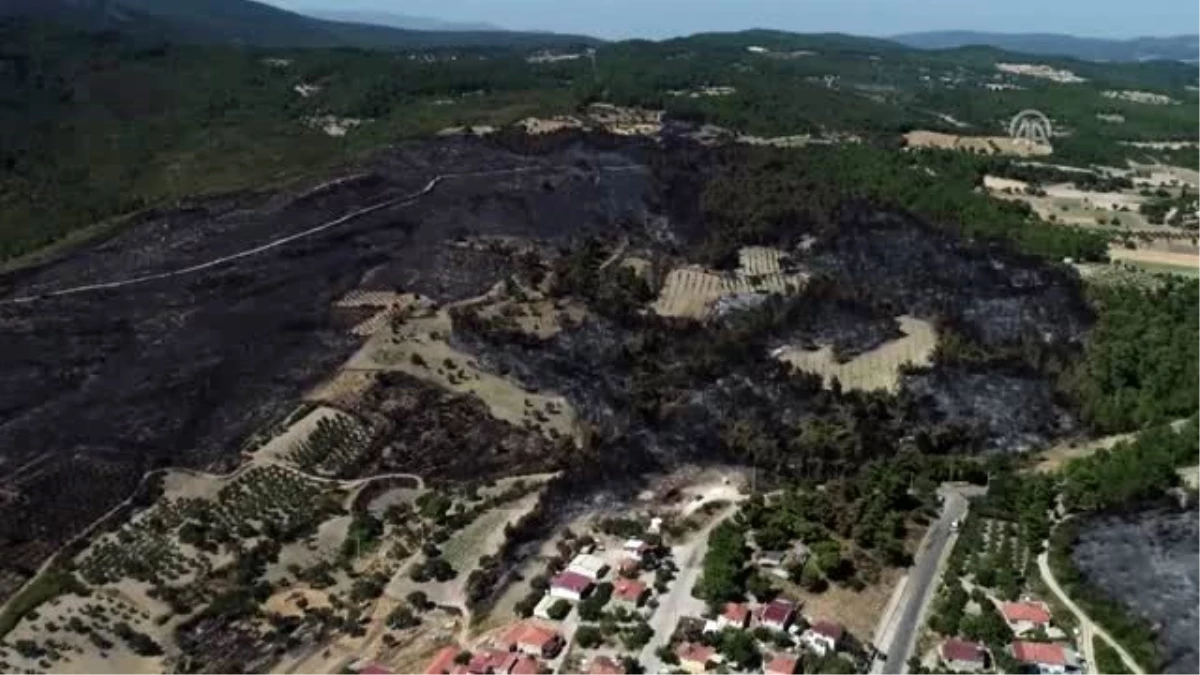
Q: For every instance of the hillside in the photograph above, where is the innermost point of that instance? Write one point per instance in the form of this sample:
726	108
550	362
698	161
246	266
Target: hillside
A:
1174	48
246	22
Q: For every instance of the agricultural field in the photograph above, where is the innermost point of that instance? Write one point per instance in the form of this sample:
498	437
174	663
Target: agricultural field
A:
694	292
873	370
988	145
1160	256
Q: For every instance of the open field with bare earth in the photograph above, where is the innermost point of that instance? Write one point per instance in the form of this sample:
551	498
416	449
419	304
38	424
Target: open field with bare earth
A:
419	347
1179	260
280	447
991	145
692	291
877	369
1063	203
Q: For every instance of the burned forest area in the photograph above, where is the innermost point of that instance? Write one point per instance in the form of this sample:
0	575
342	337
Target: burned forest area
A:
98	388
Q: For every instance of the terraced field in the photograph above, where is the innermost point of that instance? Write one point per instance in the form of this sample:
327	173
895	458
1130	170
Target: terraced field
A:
693	291
877	369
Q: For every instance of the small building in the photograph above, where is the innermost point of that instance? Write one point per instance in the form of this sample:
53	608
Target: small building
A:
630	567
1046	657
1023	617
630	592
782	664
443	663
372	668
534	639
526	665
770	558
962	656
637	548
571	586
588	565
605	665
735	615
823	637
778	614
695	657
492	662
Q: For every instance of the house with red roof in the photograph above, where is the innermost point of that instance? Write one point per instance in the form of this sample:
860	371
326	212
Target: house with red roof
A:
443	663
695	657
373	668
526	665
823	637
534	639
604	665
962	656
571	586
1046	657
1023	617
630	592
735	615
782	664
777	614
492	662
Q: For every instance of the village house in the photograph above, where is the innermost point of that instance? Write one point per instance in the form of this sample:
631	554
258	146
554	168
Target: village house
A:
735	615
1023	617
629	592
534	639
604	665
588	565
571	586
1045	657
782	664
962	656
777	615
695	657
822	637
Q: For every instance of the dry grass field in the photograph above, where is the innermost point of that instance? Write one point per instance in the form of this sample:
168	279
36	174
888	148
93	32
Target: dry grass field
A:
1177	258
991	145
691	291
418	346
878	369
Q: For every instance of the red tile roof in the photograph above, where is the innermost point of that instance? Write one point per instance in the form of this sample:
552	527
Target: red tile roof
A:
629	590
736	612
829	629
603	665
526	665
572	581
443	662
1033	612
373	669
694	651
782	665
1039	652
531	634
961	650
779	611
491	661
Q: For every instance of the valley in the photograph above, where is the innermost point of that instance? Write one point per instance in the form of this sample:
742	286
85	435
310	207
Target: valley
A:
502	356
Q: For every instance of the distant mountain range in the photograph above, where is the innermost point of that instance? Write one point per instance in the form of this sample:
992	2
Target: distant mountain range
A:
1174	48
254	23
402	21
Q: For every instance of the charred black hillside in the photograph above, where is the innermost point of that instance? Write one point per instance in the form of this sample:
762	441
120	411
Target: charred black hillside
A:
97	388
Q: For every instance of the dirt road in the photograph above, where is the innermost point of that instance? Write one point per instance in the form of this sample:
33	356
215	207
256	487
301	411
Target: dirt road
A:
678	601
1087	628
275	243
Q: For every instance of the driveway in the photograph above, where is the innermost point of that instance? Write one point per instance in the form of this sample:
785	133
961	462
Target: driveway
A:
1087	628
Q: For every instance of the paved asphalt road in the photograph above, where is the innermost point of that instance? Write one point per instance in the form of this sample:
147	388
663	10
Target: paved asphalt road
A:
921	586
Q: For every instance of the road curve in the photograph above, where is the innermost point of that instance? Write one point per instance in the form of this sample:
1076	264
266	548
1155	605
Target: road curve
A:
275	243
1086	624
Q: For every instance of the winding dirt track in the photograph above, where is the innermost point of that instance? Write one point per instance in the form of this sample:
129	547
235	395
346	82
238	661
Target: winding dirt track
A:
275	243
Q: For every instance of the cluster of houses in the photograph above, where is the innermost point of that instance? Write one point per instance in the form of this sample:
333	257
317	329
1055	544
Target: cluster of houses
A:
584	572
818	637
1025	619
521	650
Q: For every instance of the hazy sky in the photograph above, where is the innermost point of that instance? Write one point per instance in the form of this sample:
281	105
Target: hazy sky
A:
664	18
